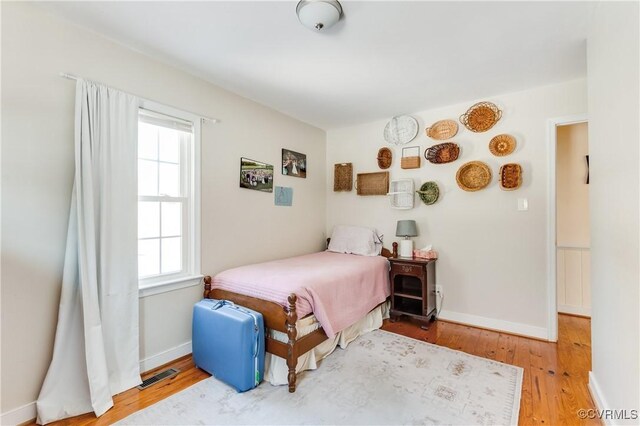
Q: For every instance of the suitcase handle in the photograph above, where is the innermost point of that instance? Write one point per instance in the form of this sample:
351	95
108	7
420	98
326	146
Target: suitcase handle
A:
222	303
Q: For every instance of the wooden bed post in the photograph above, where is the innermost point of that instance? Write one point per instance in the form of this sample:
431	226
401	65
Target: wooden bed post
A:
292	334
395	249
207	286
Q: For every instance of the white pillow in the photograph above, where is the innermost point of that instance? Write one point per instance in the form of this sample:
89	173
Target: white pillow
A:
355	240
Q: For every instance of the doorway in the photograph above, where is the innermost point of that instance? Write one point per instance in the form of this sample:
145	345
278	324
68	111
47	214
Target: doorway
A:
568	242
573	279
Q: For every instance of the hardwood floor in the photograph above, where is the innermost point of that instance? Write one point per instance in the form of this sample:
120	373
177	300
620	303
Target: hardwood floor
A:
555	375
555	379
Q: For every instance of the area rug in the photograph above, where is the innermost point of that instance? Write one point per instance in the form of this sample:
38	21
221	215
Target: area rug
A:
382	378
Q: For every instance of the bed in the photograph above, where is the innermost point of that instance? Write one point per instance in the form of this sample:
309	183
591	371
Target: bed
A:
290	318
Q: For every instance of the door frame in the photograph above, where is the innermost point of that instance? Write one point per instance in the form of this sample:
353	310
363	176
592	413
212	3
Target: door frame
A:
552	284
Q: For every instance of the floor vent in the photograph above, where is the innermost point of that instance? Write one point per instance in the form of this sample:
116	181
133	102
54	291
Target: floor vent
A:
167	374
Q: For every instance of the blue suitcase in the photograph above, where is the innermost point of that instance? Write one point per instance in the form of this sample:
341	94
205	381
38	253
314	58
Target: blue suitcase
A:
228	342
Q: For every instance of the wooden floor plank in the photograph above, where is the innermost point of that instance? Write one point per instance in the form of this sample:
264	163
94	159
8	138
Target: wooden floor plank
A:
554	379
522	358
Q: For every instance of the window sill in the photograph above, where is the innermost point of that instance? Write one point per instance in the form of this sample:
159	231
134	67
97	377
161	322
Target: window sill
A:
169	285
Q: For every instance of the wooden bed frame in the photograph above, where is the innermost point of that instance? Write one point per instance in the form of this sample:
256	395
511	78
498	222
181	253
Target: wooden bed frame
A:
280	319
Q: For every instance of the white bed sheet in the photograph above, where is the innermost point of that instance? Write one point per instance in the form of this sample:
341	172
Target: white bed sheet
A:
275	368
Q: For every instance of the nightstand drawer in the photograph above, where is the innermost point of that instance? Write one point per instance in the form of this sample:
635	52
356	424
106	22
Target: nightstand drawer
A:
405	268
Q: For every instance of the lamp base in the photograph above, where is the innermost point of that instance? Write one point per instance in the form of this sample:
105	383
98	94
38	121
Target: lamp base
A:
406	248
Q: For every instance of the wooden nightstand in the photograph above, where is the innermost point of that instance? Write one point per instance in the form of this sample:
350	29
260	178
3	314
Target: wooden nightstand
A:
413	288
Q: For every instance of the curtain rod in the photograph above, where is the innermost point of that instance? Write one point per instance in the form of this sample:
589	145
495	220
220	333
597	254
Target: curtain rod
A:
202	117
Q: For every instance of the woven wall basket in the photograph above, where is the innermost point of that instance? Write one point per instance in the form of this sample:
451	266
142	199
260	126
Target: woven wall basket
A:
429	192
510	176
372	183
502	145
442	153
473	176
443	129
411	161
481	117
384	158
342	177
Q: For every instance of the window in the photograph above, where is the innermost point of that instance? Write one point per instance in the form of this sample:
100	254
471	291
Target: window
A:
168	197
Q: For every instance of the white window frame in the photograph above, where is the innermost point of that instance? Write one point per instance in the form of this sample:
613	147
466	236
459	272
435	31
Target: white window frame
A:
191	275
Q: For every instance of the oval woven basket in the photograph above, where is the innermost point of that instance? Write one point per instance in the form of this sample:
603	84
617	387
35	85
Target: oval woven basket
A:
510	176
384	158
429	192
443	129
442	153
473	176
481	117
502	145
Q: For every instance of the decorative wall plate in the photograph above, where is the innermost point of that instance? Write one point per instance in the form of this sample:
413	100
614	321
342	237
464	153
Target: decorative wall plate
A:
429	192
473	176
443	129
502	145
481	117
401	129
384	158
442	153
510	176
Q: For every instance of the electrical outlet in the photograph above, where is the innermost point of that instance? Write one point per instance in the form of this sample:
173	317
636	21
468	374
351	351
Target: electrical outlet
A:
439	290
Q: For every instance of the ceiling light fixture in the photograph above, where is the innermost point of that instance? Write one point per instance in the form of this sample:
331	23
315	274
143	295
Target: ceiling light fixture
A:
318	14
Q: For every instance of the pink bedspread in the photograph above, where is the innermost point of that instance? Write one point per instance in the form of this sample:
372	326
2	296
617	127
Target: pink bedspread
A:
338	288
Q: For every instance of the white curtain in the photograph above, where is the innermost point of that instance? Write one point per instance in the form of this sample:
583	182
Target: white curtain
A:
96	349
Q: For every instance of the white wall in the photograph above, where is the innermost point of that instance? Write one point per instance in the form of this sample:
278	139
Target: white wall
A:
493	258
614	135
572	191
573	280
238	225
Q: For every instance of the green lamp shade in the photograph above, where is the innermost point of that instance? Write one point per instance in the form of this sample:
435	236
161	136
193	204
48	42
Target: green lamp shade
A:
406	228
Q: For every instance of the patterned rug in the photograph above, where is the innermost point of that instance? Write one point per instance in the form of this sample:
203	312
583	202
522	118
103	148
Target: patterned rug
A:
382	378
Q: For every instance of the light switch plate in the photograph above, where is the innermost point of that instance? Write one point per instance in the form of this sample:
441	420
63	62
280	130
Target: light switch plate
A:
523	204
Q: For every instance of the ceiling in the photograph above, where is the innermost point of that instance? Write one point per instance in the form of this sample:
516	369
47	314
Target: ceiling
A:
382	59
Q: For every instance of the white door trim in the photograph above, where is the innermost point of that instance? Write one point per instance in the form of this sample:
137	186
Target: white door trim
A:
552	306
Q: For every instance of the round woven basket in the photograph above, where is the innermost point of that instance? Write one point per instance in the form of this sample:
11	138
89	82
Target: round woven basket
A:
473	176
481	117
429	192
384	158
502	145
443	129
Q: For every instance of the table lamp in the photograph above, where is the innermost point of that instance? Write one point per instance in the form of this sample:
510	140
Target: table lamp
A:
406	229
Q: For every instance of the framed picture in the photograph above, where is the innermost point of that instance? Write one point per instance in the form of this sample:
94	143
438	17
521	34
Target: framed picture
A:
256	175
294	164
283	196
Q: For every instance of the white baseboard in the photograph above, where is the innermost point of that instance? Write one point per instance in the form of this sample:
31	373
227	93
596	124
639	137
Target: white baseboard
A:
164	357
495	324
598	397
19	415
28	411
574	310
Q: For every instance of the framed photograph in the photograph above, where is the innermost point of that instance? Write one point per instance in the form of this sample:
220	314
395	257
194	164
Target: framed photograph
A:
256	175
294	164
283	196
